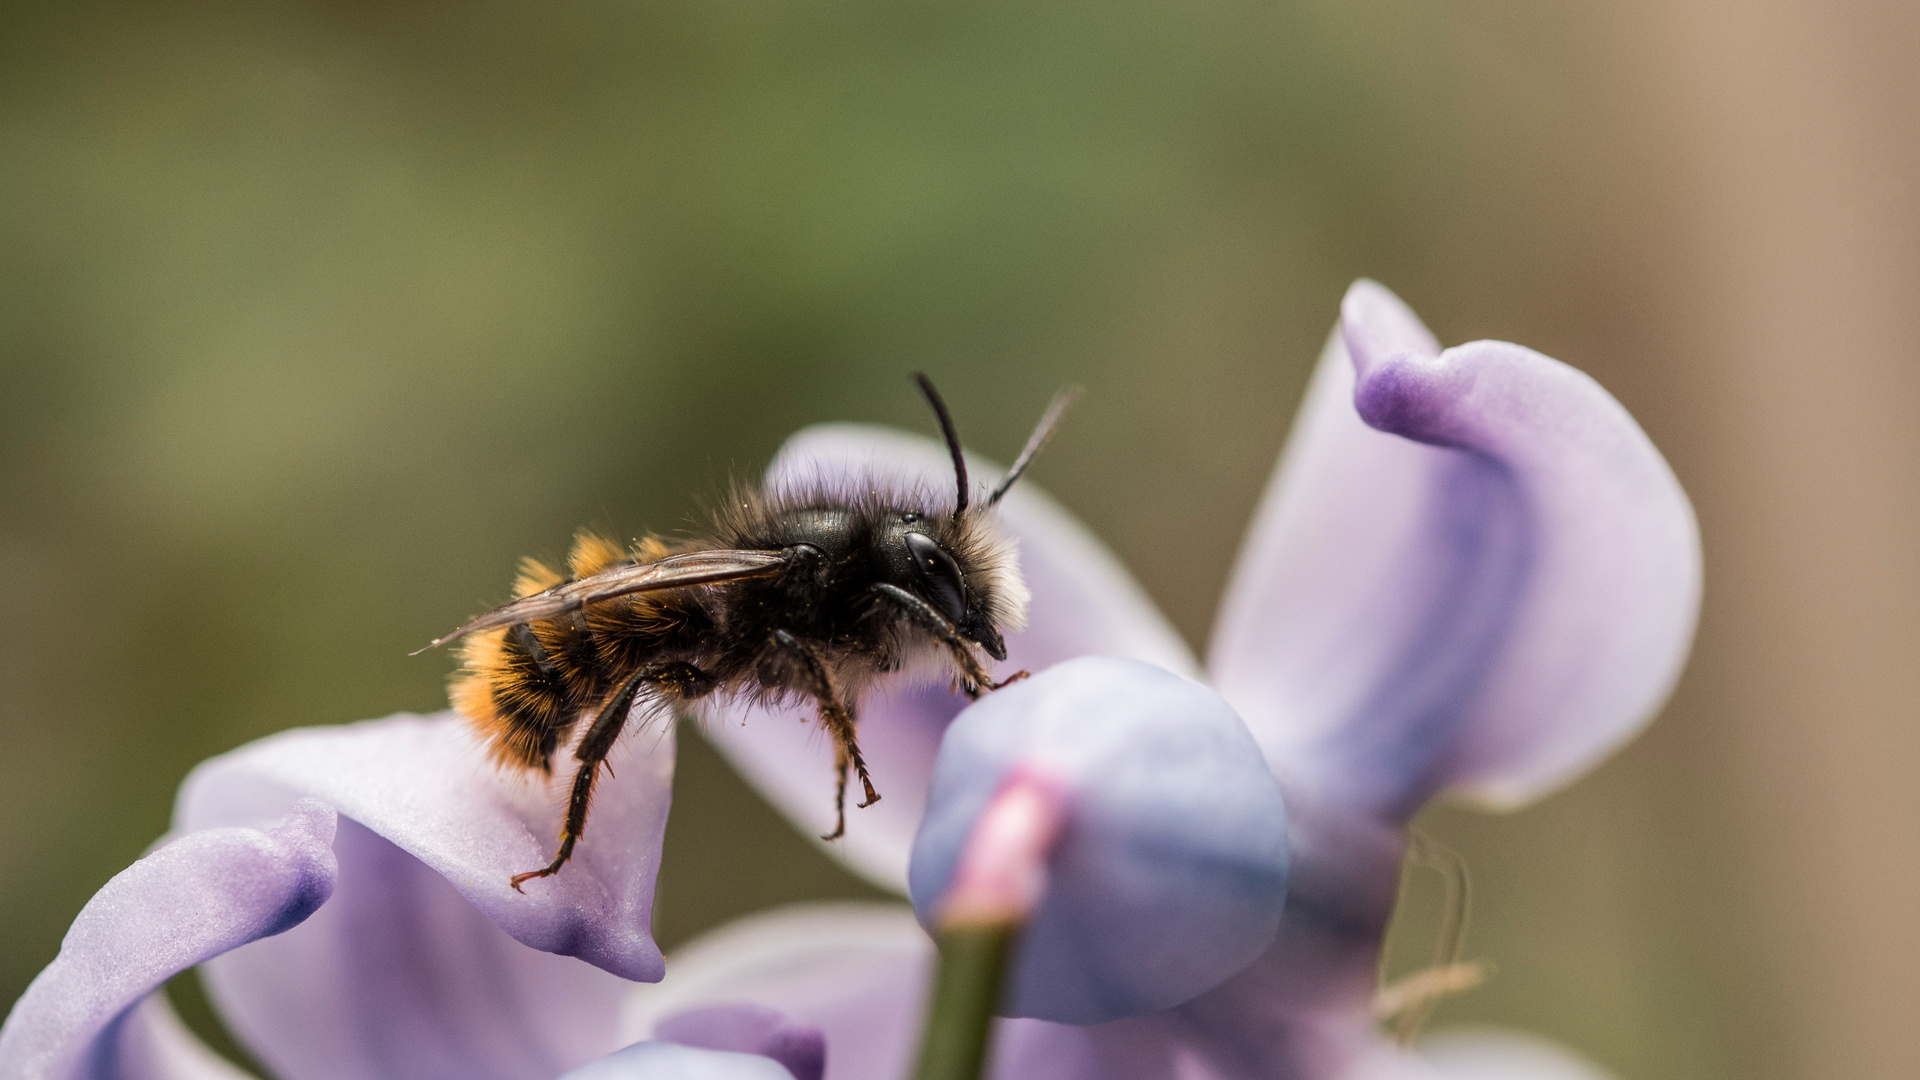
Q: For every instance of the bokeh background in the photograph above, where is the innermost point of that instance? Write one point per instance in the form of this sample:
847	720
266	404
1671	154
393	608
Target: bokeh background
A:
315	317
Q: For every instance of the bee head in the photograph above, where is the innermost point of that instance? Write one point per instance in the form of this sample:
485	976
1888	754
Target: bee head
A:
961	574
963	567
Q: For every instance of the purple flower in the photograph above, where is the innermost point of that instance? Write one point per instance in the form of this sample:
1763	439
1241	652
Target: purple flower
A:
1472	577
1476	600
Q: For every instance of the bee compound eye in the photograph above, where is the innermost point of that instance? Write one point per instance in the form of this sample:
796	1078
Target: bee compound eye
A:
939	573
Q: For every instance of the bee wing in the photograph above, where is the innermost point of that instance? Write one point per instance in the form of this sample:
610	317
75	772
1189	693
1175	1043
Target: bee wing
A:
673	572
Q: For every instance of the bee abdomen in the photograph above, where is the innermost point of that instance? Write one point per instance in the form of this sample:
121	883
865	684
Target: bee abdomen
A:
520	696
526	686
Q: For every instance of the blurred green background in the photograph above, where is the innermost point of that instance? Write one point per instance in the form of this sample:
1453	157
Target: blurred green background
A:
314	318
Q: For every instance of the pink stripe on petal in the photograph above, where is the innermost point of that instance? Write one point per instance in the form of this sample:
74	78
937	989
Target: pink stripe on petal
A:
1001	875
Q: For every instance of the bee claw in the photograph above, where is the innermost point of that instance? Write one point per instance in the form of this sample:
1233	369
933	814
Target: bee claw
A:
548	870
1009	680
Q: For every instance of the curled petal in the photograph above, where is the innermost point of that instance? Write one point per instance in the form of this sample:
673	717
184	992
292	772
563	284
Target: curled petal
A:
1170	870
671	1061
197	897
1483	592
423	784
855	973
1084	602
427	963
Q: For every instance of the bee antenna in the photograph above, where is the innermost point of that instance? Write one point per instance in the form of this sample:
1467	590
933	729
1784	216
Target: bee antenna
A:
952	437
1041	433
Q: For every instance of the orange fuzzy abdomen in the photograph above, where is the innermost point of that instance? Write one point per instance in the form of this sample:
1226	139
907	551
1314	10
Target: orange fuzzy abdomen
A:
524	689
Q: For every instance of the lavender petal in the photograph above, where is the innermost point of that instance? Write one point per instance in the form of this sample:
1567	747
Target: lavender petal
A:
190	900
426	963
1481	594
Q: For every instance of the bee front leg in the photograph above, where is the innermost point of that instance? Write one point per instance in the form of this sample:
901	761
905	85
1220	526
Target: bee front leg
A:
837	718
973	675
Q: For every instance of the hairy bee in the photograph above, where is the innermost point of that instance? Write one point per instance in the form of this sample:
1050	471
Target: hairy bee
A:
802	593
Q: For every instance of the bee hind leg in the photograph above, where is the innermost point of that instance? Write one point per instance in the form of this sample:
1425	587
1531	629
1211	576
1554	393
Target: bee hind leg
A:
840	768
680	681
837	717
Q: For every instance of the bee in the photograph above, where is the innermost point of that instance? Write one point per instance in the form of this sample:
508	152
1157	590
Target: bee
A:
795	593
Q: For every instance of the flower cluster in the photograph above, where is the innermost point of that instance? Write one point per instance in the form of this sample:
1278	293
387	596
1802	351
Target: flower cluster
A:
1472	577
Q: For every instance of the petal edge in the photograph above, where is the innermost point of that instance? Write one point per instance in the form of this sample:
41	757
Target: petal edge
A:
189	901
1483	593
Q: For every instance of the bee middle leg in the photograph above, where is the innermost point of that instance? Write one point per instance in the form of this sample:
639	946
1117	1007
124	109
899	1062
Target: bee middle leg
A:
677	682
837	717
974	677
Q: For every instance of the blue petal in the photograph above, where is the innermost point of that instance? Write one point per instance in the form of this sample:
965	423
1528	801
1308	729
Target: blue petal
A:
1172	868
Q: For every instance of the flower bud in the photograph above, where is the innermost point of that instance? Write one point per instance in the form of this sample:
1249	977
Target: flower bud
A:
1169	868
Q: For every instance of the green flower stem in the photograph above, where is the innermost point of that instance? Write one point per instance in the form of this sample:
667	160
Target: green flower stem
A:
973	965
